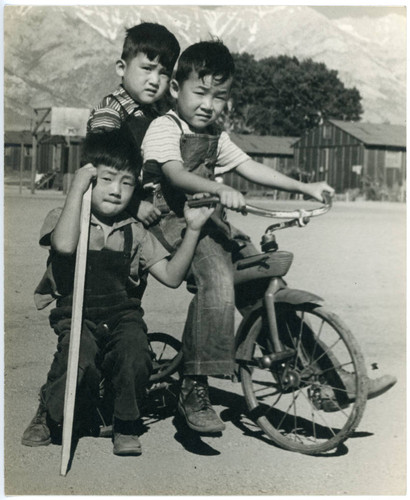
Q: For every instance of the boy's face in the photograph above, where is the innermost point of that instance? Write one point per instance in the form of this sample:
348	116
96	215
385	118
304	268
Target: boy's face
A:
146	81
112	192
200	101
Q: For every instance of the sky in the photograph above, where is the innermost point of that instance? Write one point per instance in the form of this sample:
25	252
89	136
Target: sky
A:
373	9
334	12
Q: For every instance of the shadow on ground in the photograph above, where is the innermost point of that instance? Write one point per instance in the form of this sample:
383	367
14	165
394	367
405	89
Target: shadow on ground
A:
235	412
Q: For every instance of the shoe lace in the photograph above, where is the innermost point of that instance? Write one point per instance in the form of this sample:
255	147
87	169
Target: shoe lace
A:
202	395
40	416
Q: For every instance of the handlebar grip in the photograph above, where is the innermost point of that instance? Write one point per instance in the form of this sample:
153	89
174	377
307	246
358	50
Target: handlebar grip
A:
327	198
210	201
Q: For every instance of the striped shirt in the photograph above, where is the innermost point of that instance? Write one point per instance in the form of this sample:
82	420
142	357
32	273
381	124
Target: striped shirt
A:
112	111
162	139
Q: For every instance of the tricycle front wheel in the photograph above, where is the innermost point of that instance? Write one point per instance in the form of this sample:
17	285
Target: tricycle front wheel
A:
311	396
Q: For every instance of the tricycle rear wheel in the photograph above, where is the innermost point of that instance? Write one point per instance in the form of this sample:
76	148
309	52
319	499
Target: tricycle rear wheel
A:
166	356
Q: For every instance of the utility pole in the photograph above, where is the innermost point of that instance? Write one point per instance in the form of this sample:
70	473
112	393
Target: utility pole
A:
21	166
40	119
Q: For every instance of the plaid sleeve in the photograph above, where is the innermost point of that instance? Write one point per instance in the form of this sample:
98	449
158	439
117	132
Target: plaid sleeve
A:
107	115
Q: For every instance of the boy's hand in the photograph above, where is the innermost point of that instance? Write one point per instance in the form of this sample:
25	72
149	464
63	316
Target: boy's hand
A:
83	178
315	190
147	213
196	217
231	198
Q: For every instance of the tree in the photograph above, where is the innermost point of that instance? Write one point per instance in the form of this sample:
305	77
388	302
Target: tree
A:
283	96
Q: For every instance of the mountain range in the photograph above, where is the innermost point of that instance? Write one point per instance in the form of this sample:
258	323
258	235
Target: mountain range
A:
65	55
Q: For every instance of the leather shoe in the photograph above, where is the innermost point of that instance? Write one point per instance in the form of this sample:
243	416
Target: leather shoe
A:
376	387
38	432
126	445
380	385
195	407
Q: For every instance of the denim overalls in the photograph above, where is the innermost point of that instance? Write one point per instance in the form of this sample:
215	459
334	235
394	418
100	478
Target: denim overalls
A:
208	339
113	339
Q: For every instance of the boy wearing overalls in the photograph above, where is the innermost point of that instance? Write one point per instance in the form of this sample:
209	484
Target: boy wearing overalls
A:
183	151
148	57
113	339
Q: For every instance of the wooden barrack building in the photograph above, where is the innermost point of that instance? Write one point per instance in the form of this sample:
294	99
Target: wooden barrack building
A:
276	152
350	154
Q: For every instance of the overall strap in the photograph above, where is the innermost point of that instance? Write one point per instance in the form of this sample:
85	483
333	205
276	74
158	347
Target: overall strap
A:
214	130
127	240
177	121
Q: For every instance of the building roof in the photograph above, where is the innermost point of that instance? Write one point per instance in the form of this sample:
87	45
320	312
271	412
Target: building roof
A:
374	134
18	137
264	144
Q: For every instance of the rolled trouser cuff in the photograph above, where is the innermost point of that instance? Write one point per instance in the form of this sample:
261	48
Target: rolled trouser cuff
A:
211	368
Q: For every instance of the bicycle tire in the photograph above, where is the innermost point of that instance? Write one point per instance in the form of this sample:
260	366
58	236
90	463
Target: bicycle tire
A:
286	399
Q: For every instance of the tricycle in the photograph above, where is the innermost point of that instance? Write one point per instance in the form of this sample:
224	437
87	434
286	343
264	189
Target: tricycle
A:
302	372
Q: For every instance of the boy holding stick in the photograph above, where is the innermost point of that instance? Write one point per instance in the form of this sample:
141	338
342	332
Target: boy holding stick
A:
113	338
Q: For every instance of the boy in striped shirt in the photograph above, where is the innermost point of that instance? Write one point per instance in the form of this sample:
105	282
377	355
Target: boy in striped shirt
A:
145	67
183	151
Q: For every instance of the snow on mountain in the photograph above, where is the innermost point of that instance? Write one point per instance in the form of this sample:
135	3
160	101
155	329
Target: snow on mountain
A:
66	55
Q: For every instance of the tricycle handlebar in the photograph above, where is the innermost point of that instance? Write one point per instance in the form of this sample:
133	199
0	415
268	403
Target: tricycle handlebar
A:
274	214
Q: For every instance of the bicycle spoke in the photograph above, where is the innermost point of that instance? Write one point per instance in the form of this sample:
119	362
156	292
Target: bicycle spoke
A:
298	343
264	396
290	335
321	417
313	417
295	418
327	351
162	352
317	338
268	386
287	411
271	407
262	388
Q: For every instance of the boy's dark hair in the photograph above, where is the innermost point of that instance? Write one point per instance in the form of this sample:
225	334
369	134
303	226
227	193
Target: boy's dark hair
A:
206	58
113	148
154	40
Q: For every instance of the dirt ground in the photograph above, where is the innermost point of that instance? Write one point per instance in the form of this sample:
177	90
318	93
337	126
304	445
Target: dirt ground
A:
354	257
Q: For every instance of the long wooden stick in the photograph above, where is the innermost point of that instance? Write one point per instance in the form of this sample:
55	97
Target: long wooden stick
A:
75	332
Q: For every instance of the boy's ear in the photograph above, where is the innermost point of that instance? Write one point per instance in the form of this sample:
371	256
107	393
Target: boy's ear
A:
120	66
174	88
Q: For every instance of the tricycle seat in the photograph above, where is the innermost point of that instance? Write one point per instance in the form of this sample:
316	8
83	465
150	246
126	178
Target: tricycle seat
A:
264	265
259	266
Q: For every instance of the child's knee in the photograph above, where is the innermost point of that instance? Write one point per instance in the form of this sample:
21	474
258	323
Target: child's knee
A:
218	290
132	352
135	365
